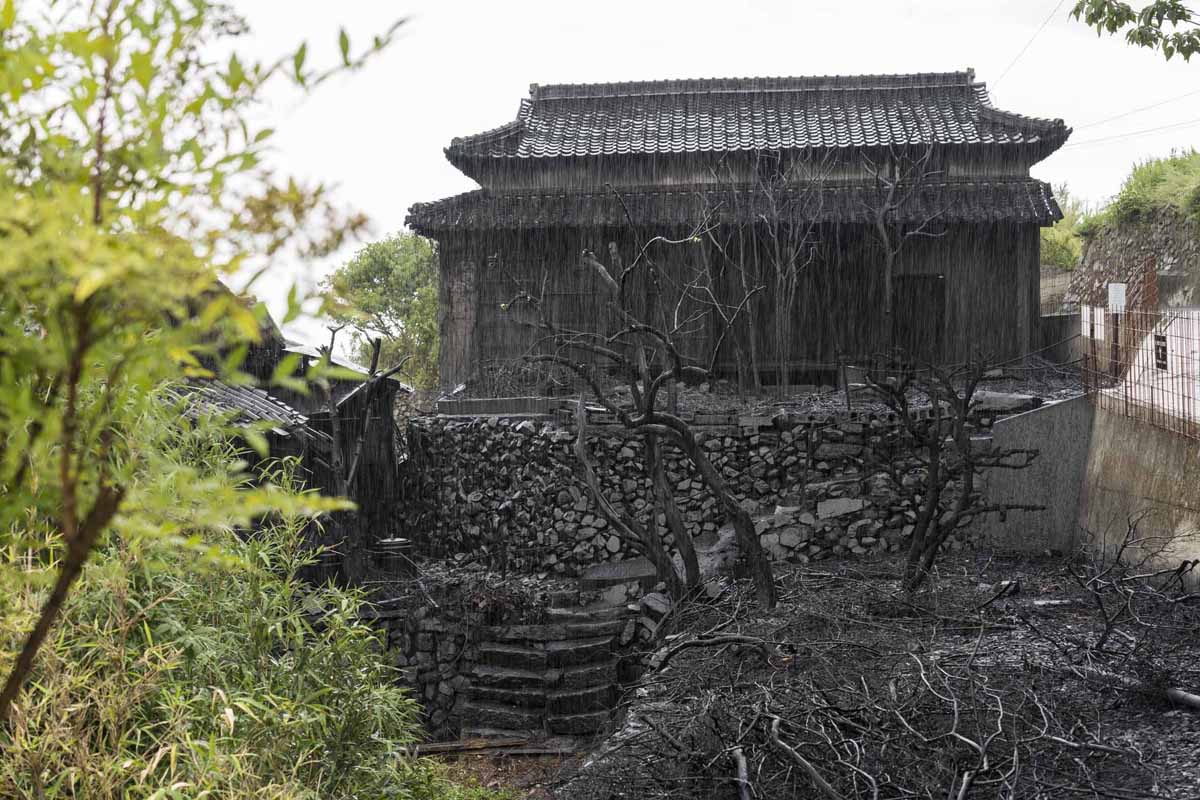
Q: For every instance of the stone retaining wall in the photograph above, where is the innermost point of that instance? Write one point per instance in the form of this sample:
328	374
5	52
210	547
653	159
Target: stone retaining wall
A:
506	492
559	677
1116	252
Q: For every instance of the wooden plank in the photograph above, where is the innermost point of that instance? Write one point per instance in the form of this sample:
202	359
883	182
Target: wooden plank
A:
469	745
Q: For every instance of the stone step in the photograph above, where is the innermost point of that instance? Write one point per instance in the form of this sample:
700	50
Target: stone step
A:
607	627
489	715
553	632
580	651
596	613
510	678
503	654
563	598
474	732
600	673
579	701
601	576
579	724
526	633
496	695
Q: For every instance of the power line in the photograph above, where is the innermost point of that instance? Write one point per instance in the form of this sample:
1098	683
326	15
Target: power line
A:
1017	57
1130	134
1138	110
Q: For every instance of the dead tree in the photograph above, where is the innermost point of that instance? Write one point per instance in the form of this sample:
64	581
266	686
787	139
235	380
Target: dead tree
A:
641	351
898	179
933	407
1145	609
774	203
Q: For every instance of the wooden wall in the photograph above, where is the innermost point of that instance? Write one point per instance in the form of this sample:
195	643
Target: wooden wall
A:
990	301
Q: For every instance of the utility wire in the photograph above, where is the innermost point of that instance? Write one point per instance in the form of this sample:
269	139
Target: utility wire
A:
1138	110
1130	134
1017	57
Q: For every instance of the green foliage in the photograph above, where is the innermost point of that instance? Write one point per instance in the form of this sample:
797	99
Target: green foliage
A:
1093	223
1062	243
229	677
1171	182
390	288
190	663
1168	26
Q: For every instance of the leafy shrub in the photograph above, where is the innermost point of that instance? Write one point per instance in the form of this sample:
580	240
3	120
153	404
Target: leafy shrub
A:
1091	225
1170	182
212	671
1062	243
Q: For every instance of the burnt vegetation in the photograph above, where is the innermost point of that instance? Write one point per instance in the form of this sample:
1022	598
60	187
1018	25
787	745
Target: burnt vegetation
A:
1019	682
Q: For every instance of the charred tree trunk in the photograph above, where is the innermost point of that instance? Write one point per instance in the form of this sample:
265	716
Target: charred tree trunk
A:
645	539
756	560
666	501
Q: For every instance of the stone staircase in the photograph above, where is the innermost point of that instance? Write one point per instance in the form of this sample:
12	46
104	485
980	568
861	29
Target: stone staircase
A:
559	678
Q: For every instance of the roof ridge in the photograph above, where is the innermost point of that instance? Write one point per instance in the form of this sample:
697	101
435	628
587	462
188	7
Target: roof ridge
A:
569	91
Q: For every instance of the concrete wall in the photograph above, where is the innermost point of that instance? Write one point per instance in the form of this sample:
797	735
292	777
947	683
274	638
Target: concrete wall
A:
1097	469
1058	337
1061	433
1137	469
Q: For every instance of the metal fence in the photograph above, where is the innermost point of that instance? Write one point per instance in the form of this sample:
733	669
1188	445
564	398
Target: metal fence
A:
1145	363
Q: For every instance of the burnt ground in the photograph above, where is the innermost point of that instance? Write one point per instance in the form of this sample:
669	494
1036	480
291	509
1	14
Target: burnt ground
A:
1034	376
876	697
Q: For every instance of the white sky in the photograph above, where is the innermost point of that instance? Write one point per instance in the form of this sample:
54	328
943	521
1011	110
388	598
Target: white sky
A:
462	66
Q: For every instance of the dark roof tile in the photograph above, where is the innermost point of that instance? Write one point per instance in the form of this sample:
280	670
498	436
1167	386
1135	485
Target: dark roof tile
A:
691	116
1021	200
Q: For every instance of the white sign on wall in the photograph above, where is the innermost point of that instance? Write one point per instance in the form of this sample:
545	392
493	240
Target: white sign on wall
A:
1098	321
1116	298
1085	321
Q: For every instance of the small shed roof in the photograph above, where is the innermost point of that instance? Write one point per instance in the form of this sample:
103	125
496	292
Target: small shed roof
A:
730	114
244	404
1020	200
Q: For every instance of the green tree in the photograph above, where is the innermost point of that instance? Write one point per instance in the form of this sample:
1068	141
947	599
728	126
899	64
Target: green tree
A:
1165	25
390	289
1062	243
130	180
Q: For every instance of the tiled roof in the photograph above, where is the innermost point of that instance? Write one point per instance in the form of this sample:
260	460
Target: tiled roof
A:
243	404
1022	200
694	116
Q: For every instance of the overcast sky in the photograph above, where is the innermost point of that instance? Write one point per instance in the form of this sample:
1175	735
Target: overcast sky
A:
462	66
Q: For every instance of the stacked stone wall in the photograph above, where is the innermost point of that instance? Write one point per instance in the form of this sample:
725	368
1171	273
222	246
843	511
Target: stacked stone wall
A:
557	677
1117	252
507	493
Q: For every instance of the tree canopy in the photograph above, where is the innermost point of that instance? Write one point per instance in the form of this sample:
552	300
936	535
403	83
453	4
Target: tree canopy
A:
1165	25
390	289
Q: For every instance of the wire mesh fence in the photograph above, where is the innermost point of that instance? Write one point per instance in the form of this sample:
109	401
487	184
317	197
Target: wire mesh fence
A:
1145	363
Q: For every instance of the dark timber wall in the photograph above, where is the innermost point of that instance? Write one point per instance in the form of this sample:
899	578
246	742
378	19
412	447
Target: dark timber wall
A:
988	304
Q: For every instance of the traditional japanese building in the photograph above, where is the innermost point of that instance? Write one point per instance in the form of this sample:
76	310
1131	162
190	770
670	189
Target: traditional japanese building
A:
832	179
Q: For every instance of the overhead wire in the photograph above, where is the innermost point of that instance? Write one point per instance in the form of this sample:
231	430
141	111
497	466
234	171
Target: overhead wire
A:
1036	33
1138	110
1131	134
